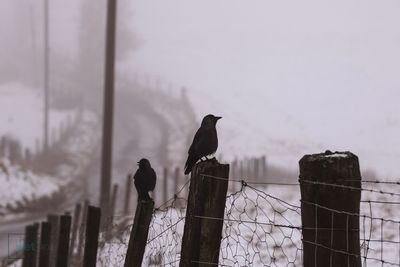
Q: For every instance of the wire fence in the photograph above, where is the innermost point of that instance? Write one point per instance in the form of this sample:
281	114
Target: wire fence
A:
262	226
164	239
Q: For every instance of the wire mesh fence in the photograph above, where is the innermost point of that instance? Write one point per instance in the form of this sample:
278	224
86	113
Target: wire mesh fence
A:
261	229
262	226
164	239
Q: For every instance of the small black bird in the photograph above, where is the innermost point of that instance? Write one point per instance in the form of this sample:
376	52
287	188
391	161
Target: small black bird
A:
205	142
145	179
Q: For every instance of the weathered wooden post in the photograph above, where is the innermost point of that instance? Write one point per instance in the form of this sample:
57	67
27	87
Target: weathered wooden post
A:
28	157
3	143
204	215
110	219
165	184
330	186
264	168
81	235
44	252
54	224
241	170
176	180
30	246
38	149
113	201
256	166
92	236
75	226
63	241
139	233
128	191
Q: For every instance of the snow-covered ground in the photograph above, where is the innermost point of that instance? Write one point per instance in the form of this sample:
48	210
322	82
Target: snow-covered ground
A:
19	186
21	119
21	114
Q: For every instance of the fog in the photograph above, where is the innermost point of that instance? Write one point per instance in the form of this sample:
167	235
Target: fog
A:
288	78
315	74
296	78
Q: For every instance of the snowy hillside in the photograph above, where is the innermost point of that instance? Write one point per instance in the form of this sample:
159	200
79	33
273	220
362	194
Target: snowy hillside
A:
19	186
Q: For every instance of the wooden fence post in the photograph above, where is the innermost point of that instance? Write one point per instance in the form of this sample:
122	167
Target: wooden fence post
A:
54	224
326	226
233	175
113	202
176	180
30	246
75	226
38	149
241	169
92	236
177	183
63	241
44	252
128	191
81	235
3	143
204	215
264	168
165	184
110	219
139	233
257	169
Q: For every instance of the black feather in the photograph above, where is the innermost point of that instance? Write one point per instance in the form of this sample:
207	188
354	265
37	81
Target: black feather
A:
205	142
145	179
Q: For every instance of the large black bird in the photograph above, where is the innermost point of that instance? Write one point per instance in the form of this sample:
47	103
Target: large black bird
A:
205	142
145	179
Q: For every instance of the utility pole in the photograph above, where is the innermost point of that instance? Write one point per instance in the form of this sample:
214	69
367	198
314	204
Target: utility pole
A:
108	110
46	77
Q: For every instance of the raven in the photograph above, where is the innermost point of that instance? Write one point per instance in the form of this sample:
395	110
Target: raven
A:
145	179
205	142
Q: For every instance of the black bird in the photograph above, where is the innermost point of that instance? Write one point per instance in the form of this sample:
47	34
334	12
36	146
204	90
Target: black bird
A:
205	142
145	179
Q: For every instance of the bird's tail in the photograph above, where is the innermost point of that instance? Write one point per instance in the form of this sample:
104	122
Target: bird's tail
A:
191	161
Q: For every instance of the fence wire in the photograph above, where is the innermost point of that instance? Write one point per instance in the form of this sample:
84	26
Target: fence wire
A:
262	227
264	230
164	238
260	230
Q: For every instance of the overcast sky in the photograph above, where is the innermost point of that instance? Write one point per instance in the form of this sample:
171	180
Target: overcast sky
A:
289	77
322	73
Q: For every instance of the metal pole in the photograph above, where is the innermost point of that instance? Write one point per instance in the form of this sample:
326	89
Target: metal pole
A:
46	76
108	109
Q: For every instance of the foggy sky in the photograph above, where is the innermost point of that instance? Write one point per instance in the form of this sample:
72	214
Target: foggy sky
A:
295	77
324	74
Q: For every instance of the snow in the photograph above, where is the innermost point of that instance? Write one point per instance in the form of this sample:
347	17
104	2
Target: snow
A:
19	186
337	155
21	117
21	114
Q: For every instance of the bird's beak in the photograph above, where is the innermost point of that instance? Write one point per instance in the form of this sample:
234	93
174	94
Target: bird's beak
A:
218	118
138	162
